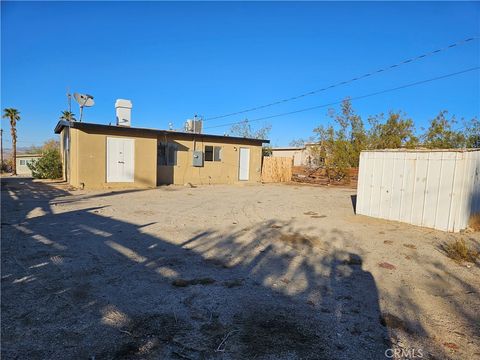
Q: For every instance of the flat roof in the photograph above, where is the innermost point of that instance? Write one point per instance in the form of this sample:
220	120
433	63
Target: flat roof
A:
136	130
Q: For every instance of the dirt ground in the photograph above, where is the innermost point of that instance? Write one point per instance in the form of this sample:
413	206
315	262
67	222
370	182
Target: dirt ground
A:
227	272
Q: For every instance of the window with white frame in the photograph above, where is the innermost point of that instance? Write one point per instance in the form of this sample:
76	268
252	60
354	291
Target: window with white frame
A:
213	153
217	153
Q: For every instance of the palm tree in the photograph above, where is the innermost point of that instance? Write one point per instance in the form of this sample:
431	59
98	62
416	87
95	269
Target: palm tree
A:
68	116
14	116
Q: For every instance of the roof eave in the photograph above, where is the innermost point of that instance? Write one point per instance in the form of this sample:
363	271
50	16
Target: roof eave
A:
62	123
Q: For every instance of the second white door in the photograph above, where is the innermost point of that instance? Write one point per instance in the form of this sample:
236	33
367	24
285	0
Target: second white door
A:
244	167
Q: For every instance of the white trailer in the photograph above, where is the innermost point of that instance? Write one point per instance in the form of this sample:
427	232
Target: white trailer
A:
437	189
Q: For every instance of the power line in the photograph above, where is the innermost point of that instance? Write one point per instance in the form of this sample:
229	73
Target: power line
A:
352	98
407	61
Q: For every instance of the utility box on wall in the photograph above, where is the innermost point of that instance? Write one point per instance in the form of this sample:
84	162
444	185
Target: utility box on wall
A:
197	158
437	189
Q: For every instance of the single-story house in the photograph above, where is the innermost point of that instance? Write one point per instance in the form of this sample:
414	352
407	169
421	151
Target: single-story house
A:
22	163
107	156
297	153
302	156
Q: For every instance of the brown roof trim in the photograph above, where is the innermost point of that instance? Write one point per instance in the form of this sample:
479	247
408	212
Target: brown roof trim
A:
135	130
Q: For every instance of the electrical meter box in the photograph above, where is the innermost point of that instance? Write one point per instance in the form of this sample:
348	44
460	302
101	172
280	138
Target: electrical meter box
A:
197	158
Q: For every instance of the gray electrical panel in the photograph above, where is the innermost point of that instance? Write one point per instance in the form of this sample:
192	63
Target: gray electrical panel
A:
197	158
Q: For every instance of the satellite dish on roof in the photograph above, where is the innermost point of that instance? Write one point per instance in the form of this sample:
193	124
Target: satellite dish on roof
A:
83	100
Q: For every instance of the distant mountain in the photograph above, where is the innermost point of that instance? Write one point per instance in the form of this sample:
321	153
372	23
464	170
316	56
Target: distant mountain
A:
7	152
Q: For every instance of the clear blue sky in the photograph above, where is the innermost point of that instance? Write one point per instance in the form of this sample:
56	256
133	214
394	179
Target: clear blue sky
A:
177	59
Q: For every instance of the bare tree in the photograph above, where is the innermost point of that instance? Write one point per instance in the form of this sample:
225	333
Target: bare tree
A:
244	129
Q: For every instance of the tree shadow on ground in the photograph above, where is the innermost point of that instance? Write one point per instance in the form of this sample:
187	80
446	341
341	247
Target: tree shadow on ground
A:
76	284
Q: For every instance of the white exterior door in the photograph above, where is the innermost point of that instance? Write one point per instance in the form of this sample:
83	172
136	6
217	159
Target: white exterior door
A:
120	159
244	164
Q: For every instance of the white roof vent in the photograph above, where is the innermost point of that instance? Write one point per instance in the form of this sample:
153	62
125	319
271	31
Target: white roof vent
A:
194	125
123	110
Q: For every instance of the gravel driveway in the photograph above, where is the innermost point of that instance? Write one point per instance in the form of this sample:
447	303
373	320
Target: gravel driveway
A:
227	272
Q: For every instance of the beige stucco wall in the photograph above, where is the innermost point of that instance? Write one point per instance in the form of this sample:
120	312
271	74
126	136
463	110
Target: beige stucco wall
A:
88	154
212	172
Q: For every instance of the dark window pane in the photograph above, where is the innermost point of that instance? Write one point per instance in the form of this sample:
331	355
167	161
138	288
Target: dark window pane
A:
208	153
166	154
161	154
172	154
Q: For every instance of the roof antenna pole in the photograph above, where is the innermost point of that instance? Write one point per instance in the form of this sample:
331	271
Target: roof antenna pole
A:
69	97
81	113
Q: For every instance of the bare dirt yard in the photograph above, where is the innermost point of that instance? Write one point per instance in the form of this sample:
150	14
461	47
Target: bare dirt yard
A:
226	272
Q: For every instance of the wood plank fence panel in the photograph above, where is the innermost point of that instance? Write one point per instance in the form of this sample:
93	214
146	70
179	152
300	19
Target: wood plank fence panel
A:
277	169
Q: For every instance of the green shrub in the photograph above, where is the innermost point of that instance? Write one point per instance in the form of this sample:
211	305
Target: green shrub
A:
267	151
49	166
339	145
6	166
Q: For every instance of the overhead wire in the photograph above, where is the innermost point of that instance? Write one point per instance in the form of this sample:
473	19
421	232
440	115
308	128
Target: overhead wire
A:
351	98
371	73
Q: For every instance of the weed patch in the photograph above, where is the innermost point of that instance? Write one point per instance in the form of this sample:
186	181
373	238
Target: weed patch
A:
297	239
459	251
394	322
474	222
279	333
